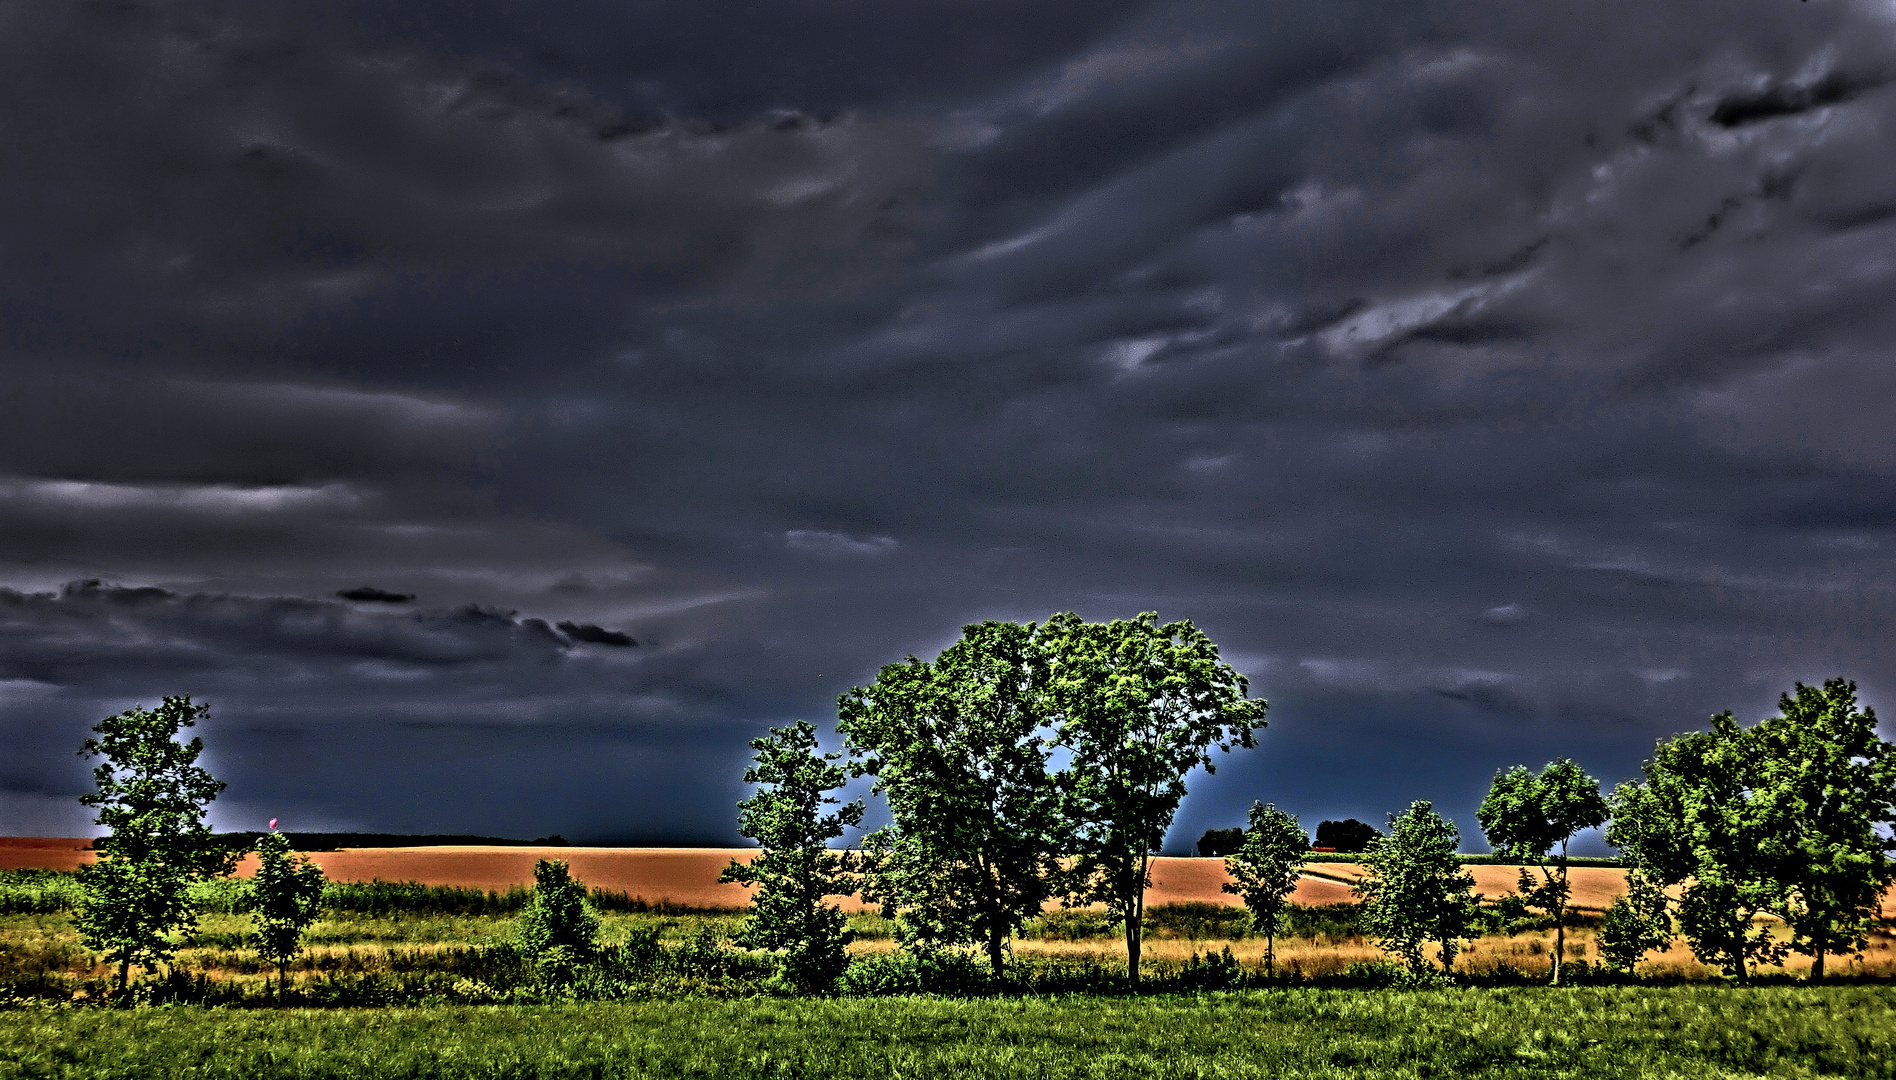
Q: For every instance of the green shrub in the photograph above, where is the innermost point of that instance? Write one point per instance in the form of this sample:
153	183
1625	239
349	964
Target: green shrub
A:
1216	971
38	892
919	971
1198	920
1073	924
558	930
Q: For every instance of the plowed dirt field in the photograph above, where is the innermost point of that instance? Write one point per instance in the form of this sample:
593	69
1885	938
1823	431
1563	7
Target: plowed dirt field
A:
689	875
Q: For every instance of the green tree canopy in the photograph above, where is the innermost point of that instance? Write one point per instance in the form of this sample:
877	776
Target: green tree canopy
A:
1533	818
957	748
1265	869
795	872
1828	787
1699	822
1416	891
151	798
1137	706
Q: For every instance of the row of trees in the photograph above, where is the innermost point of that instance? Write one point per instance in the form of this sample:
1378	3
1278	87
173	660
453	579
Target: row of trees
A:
1788	818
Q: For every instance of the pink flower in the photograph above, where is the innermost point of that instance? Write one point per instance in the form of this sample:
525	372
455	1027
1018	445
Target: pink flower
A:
273	823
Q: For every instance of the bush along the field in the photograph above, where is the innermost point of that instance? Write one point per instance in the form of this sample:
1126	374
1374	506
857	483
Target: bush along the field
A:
559	930
38	892
949	972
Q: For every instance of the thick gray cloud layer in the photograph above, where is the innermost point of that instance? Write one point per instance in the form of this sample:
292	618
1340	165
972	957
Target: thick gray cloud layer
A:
1492	383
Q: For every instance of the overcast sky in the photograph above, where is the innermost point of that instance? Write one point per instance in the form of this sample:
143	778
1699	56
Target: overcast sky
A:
1492	381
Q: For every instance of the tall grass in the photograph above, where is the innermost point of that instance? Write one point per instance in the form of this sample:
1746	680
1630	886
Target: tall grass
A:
1604	1033
25	892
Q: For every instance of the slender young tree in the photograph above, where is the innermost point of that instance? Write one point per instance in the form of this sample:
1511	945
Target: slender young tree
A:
1416	891
1635	924
1265	869
796	871
1137	707
285	898
1533	818
1828	784
1699	822
957	748
151	799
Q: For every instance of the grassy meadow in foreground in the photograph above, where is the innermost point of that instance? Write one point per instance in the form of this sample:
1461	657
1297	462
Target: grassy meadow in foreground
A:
1595	1032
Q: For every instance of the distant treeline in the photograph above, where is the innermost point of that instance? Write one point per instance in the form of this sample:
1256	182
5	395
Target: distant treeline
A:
1472	860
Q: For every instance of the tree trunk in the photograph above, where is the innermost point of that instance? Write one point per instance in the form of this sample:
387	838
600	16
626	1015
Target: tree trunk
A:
1817	965
1132	950
995	957
1270	954
125	974
1560	942
1560	917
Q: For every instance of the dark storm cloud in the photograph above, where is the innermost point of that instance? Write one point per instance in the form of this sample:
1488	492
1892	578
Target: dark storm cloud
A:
1492	383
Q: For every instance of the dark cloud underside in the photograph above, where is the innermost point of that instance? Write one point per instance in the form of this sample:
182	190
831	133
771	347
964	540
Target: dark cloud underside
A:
1491	383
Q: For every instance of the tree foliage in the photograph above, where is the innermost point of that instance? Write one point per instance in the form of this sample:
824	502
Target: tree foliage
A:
151	798
1698	822
1218	843
1828	785
1416	891
558	929
956	747
1533	818
1348	835
284	900
1265	869
795	870
1635	924
1137	707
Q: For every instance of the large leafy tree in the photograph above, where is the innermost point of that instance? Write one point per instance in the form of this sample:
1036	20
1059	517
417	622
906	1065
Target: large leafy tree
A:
284	899
1827	783
796	871
1137	706
151	799
1265	869
1416	891
957	748
1699	822
1533	818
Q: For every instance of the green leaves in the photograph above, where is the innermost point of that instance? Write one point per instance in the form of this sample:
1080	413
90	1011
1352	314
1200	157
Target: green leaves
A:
151	796
284	899
1137	706
795	871
957	748
1780	818
1527	817
1416	891
558	930
1265	869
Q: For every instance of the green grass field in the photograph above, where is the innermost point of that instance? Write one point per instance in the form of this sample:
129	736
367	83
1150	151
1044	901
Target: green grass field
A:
419	982
1605	1032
